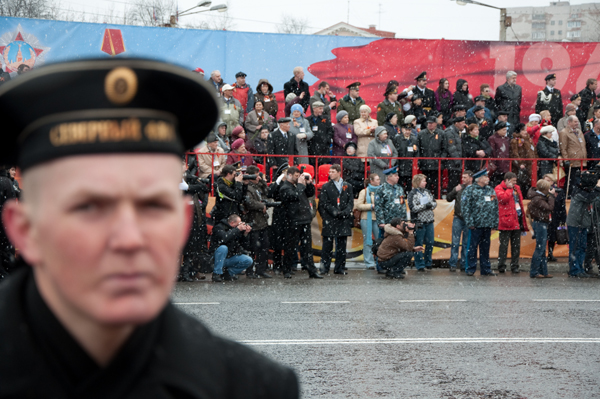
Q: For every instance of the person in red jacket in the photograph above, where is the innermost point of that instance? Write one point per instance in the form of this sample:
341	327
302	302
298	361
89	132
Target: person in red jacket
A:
512	221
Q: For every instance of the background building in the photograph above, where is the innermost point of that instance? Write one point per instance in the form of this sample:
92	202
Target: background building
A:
344	29
560	21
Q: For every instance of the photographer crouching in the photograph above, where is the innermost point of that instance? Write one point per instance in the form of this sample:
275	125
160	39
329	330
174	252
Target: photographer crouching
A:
582	218
230	238
256	205
397	248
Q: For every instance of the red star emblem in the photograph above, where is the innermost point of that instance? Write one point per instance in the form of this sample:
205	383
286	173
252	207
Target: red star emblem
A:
19	38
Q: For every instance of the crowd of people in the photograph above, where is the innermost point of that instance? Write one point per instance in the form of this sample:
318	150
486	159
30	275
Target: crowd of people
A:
480	142
414	122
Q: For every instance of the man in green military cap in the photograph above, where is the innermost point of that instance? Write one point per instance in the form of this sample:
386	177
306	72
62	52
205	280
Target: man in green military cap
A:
351	102
100	227
390	104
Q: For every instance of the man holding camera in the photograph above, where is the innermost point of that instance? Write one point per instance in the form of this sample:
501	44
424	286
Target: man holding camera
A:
229	193
335	206
397	248
294	193
256	205
583	215
195	249
230	238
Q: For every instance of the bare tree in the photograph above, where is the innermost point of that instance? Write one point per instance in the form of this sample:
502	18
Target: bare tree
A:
293	25
220	22
151	12
592	16
41	9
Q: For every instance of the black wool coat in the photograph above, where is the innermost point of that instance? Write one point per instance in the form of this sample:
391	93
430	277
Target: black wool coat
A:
403	145
277	144
173	356
335	209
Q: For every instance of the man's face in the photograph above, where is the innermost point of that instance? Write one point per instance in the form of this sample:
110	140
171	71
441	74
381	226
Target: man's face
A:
284	127
422	83
324	90
551	82
502	118
334	174
501	132
393	178
300	74
460	113
318	111
104	235
264	134
431	126
512	80
484	180
594	86
466	179
12	172
241	80
354	93
596	128
461	125
571	112
217	78
235	223
227	93
213	146
293	178
222	130
572	123
510	183
549	180
479	114
393	97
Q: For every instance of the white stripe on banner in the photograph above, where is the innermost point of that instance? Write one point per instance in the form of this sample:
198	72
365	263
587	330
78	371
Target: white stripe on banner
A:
196	303
294	342
566	300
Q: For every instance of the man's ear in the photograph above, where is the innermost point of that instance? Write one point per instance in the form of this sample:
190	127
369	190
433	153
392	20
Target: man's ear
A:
18	227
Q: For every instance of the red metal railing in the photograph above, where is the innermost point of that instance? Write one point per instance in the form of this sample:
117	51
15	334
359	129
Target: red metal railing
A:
415	165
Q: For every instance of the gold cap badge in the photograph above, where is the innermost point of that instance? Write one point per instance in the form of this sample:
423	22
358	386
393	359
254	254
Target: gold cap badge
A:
121	85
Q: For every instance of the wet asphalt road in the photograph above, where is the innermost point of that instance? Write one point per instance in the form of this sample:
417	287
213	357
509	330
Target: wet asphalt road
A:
487	337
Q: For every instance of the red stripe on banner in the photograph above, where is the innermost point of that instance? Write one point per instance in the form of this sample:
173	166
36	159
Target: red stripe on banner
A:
117	41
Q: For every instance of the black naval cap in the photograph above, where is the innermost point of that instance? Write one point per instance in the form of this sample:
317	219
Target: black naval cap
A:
103	106
240	75
423	75
477	108
500	126
575	97
353	86
457	119
284	120
459	107
503	112
550	77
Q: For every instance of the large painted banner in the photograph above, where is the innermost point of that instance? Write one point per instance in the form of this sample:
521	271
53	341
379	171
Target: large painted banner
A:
339	60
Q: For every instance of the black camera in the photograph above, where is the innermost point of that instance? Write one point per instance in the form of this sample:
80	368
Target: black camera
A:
589	179
271	204
249	177
205	181
418	224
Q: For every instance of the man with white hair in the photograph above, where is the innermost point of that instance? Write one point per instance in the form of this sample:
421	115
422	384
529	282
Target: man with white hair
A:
572	145
216	81
297	86
508	98
101	226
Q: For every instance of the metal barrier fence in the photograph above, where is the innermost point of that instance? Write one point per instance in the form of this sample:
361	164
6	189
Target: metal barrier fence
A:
267	166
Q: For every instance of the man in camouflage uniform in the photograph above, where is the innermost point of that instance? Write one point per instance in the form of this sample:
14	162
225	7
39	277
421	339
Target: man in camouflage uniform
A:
351	102
390	199
479	207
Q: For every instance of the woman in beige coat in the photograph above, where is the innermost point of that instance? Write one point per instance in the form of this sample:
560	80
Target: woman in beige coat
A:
364	128
368	220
